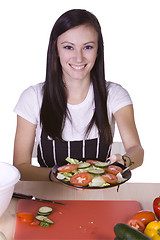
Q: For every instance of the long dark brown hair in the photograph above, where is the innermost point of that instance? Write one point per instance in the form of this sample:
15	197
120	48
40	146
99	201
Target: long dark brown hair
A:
54	106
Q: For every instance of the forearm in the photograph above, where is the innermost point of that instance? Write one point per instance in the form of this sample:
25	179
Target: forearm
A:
133	156
33	173
130	138
136	155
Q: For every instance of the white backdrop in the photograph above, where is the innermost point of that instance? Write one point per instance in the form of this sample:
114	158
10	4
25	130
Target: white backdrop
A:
132	57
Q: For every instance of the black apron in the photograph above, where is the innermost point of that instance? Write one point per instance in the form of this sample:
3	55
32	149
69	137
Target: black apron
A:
51	152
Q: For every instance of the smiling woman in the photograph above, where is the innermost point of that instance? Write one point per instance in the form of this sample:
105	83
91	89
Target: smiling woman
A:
77	50
73	113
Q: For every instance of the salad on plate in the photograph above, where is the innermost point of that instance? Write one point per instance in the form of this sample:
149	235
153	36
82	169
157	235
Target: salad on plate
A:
91	173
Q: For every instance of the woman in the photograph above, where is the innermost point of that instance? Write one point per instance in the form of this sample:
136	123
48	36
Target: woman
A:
73	113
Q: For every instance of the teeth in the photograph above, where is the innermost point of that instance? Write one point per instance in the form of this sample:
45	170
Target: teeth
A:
78	67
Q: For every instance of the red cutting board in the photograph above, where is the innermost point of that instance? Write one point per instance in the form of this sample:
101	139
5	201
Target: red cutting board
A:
88	220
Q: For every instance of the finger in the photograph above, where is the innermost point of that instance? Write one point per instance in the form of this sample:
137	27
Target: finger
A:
108	161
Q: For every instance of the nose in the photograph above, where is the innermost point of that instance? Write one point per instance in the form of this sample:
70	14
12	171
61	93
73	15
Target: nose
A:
79	56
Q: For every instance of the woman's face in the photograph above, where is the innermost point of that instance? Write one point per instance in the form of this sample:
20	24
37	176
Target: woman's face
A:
77	50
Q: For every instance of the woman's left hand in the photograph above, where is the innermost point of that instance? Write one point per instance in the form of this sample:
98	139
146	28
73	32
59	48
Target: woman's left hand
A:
115	158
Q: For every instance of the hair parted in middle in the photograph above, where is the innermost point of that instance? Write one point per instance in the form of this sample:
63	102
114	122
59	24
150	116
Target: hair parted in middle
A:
54	105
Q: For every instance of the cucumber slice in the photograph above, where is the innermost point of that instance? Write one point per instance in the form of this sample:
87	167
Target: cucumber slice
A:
44	214
47	220
97	182
45	210
84	165
44	219
40	218
101	164
96	171
44	224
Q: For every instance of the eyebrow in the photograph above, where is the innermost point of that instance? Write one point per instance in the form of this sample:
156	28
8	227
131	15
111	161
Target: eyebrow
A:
66	42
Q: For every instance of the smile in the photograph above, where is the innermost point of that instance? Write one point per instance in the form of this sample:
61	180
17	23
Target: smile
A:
78	67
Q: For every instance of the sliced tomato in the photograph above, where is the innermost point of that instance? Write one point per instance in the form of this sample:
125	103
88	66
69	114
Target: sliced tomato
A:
25	220
25	217
137	224
92	162
68	168
81	179
110	178
145	216
113	169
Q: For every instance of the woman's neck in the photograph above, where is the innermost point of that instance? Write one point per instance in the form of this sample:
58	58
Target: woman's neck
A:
77	91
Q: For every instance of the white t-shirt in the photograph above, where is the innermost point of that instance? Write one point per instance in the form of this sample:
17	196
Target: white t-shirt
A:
30	101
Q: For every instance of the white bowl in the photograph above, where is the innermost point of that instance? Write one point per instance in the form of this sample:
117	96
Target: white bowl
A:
9	176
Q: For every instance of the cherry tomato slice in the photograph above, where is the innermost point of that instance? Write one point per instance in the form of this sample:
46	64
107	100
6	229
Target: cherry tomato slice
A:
110	178
137	224
113	169
81	179
26	220
68	168
145	216
25	217
92	162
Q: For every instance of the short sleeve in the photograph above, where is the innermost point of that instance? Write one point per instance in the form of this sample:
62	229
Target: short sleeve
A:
118	97
29	104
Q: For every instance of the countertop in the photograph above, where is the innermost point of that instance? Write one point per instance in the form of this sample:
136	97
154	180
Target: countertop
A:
141	192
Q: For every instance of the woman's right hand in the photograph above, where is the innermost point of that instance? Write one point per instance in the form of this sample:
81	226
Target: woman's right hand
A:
52	177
